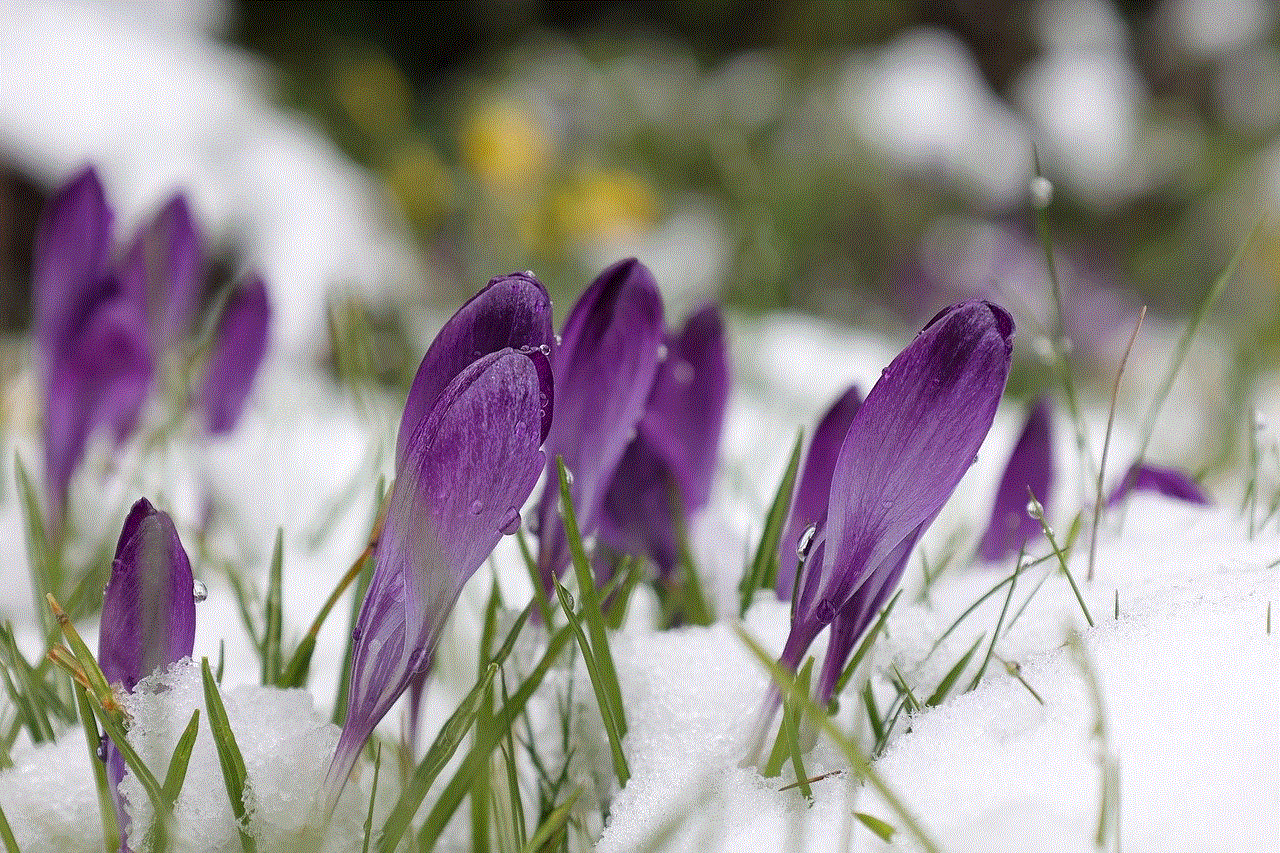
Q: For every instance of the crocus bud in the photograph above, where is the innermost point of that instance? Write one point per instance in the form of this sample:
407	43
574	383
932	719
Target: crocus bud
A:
669	466
1169	482
1030	468
813	487
161	272
466	469
907	447
604	369
239	345
148	614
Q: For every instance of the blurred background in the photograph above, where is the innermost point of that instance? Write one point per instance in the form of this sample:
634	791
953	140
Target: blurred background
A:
863	161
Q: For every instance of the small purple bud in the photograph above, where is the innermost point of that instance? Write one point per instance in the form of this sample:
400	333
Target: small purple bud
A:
1030	467
161	271
239	345
813	487
1169	482
675	447
604	369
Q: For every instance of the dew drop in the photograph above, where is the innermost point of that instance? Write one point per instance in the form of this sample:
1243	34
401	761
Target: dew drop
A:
356	634
1041	192
568	476
556	339
510	522
1034	509
529	273
199	591
476	507
101	751
418	660
806	541
662	352
545	349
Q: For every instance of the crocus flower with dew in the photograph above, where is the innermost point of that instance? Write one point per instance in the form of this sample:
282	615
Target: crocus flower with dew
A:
666	471
238	347
466	468
1169	482
148	616
813	487
907	447
161	272
1030	468
604	368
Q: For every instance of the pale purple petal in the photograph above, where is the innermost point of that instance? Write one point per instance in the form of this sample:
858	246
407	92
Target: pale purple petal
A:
511	311
161	270
1030	467
1169	482
813	486
239	346
604	369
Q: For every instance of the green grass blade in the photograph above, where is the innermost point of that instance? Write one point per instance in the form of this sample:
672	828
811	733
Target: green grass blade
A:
41	555
791	725
179	761
1017	569
873	712
233	771
111	724
273	616
944	687
1062	560
6	834
884	831
591	612
106	806
764	567
554	824
535	577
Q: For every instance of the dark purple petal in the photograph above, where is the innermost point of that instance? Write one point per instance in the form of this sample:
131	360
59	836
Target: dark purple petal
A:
239	345
813	487
72	253
638	515
909	444
468	467
604	369
99	381
1169	482
161	270
148	609
511	311
1030	467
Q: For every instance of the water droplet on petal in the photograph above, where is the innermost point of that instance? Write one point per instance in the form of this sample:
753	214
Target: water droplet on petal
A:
529	273
662	352
418	660
476	507
356	634
806	541
101	751
1041	192
545	349
568	476
510	522
556	339
199	591
1034	509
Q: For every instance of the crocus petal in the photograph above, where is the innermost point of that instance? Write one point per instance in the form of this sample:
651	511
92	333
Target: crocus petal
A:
1030	467
670	464
468	467
909	444
161	270
604	369
100	380
813	486
1169	482
72	252
239	346
511	311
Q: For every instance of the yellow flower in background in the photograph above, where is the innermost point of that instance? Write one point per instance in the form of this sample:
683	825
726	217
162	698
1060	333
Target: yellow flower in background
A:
506	145
375	95
601	206
418	179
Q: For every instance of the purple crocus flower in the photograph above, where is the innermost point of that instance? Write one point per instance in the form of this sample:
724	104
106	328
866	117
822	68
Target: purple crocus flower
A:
161	271
813	488
906	449
239	345
148	615
604	368
1169	482
669	466
1030	467
465	470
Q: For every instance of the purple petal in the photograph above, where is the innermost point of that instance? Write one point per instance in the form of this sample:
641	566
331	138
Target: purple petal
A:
239	346
638	514
909	444
1169	482
100	380
468	468
604	370
72	252
511	311
813	487
148	609
161	271
1030	467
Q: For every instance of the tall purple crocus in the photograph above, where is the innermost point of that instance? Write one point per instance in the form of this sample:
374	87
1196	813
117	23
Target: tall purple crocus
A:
148	615
906	449
813	488
239	345
604	368
666	472
467	459
1169	482
161	272
1030	468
